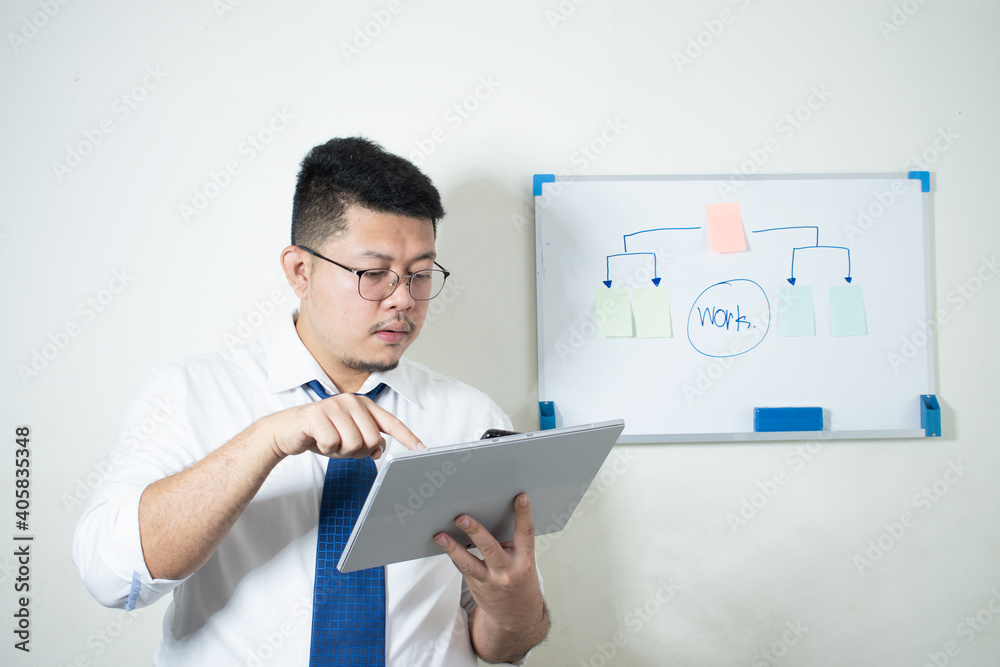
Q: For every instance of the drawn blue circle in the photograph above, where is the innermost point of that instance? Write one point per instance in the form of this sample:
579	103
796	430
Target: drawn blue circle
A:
729	282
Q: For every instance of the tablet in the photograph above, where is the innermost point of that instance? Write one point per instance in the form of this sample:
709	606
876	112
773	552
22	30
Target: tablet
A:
418	494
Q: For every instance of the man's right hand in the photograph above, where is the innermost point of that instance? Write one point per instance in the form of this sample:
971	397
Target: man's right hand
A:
184	517
341	426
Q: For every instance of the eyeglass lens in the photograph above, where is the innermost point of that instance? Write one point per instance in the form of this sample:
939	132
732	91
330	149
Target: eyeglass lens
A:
377	284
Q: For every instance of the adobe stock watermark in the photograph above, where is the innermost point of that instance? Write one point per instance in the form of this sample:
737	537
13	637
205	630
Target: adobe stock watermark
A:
795	460
102	639
272	642
7	568
716	369
582	158
162	409
33	23
41	357
448	296
247	152
617	466
588	322
958	297
435	481
523	218
883	200
121	108
971	627
248	324
899	16
713	372
923	501
634	620
965	292
417	652
562	12
588	152
713	28
365	34
454	117
772	655
225	7
786	127
941	144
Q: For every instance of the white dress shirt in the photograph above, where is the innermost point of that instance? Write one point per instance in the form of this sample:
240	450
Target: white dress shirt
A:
251	603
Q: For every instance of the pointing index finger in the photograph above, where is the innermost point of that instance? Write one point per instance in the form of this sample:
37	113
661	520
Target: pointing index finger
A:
390	425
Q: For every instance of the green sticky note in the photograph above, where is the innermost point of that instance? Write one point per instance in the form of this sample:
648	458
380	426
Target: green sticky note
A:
847	311
614	312
797	318
652	312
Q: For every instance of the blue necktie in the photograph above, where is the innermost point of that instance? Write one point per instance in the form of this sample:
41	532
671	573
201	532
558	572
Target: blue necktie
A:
348	609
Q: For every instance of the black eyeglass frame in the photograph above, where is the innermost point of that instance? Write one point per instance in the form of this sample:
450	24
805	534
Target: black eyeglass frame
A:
399	278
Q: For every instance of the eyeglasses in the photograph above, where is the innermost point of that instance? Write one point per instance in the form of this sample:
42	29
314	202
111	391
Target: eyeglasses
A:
379	284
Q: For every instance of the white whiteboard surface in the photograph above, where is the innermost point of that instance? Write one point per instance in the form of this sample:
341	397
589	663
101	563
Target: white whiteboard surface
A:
703	383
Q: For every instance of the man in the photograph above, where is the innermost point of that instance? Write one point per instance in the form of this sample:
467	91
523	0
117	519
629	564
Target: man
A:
228	523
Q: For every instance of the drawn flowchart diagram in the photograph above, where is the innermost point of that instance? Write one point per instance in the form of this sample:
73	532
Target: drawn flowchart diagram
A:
745	308
644	312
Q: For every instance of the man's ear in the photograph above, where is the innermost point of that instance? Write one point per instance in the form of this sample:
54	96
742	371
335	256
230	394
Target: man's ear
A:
297	265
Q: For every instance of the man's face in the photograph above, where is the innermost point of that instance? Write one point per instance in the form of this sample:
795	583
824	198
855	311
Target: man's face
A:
354	335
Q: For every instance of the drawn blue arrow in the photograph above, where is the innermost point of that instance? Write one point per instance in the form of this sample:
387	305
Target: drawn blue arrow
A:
814	247
645	231
607	262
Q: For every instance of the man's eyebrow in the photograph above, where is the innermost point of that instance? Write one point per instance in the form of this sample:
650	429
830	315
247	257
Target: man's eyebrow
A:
375	254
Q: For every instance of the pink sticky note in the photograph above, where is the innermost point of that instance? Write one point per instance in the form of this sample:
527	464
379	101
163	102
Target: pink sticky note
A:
725	227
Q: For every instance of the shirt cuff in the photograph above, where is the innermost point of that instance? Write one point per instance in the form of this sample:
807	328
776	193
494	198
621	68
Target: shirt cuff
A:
144	590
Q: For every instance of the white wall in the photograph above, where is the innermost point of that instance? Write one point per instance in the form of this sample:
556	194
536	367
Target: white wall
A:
899	79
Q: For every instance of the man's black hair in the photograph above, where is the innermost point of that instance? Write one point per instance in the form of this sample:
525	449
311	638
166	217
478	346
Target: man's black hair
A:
354	171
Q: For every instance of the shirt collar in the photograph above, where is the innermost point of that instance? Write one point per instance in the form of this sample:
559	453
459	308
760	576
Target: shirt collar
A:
290	365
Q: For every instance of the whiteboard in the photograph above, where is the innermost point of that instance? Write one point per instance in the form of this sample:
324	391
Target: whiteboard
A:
733	343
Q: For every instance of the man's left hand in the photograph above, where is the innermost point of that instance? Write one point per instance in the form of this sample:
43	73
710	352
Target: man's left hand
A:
510	617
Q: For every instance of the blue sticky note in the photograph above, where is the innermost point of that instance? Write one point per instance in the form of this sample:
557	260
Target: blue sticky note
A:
847	311
797	318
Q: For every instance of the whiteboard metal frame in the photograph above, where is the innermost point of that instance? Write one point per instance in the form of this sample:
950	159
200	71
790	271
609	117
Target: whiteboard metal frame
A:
749	436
